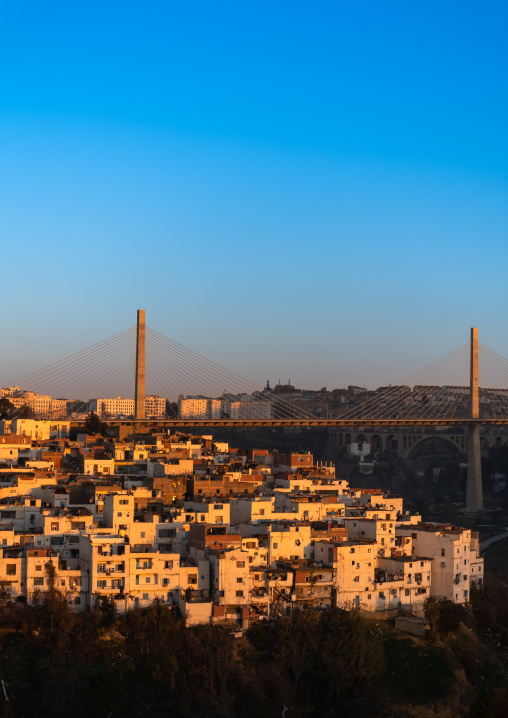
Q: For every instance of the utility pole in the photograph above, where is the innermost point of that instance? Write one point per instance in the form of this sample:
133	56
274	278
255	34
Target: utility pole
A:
474	491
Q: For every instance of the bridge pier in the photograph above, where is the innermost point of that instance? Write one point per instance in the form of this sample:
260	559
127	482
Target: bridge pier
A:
139	404
474	489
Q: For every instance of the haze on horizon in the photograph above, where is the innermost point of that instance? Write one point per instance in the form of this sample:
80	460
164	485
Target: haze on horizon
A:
315	194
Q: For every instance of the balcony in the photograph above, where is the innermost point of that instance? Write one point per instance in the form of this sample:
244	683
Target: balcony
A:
144	565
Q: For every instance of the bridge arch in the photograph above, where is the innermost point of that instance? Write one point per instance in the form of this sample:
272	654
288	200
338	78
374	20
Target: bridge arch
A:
433	437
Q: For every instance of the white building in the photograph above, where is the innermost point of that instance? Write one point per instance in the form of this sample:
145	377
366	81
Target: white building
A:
193	407
118	406
155	406
456	554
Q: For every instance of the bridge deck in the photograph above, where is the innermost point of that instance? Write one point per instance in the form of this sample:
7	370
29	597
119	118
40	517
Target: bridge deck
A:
295	423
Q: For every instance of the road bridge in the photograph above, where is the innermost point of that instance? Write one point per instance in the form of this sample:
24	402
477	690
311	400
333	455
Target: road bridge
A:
445	399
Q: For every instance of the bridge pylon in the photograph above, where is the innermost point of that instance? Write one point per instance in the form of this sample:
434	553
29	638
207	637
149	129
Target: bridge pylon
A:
139	396
474	490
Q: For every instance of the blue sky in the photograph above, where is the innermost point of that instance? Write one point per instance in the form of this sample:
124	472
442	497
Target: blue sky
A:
307	191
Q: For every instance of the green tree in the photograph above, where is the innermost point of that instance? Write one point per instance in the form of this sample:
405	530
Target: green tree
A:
93	425
25	412
432	611
6	408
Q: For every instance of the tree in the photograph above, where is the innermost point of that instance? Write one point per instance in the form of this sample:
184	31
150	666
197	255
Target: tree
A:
6	408
25	412
93	425
432	611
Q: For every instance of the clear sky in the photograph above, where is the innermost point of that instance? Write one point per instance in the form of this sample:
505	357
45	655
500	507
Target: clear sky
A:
315	191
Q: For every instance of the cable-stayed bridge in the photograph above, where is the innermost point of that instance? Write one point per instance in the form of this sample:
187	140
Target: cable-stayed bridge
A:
176	387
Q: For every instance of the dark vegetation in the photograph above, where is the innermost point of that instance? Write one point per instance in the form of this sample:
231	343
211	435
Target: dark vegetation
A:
8	411
332	663
94	425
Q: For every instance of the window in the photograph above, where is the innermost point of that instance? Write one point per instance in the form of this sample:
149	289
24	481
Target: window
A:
39	581
193	578
145	597
407	592
261	512
442	552
123	502
38	567
147	579
442	564
239	594
168	564
11	569
239	579
101	584
351	550
240	564
166	533
275	545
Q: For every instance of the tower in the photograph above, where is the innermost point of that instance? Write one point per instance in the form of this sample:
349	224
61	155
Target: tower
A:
474	493
139	398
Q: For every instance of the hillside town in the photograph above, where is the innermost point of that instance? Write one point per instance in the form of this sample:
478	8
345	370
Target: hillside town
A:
222	533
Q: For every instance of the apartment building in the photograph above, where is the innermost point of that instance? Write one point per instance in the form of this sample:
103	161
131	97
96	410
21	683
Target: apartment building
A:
252	543
456	558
